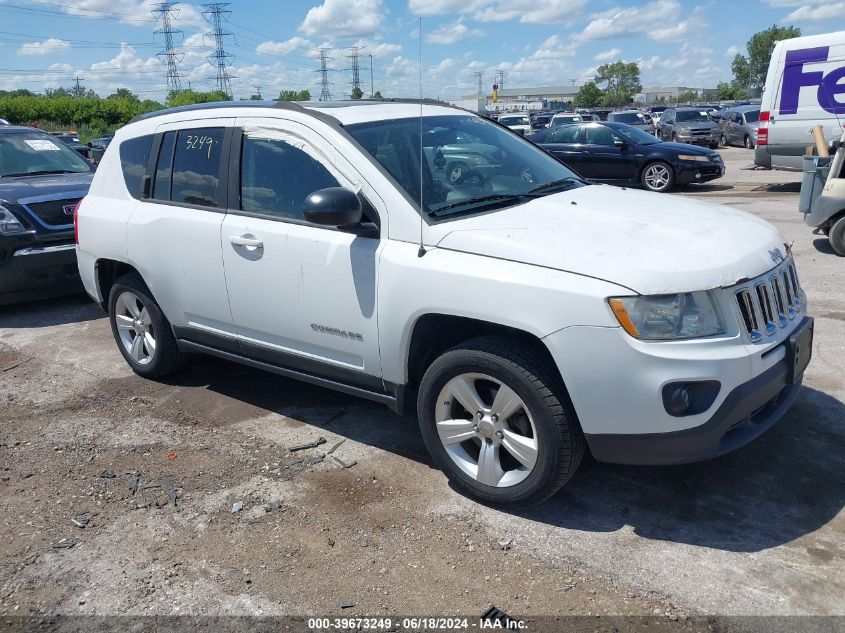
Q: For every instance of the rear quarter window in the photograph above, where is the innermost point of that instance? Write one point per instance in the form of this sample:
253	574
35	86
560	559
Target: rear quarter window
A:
134	156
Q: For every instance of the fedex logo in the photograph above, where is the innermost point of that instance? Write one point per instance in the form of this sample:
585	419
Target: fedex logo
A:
795	78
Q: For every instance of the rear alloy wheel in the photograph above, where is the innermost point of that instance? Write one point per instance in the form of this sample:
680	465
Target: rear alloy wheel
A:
658	177
141	331
496	422
723	140
749	144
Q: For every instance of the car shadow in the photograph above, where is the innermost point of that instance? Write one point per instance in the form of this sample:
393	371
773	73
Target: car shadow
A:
48	312
784	485
822	245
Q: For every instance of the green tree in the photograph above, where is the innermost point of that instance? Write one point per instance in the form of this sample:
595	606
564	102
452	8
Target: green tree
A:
293	95
621	81
750	69
357	93
377	95
728	91
589	96
687	96
190	97
123	93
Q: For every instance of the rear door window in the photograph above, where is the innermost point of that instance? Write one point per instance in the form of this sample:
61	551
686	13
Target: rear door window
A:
196	166
565	134
134	156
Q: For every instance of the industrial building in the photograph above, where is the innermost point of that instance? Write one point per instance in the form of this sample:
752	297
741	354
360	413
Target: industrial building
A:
525	99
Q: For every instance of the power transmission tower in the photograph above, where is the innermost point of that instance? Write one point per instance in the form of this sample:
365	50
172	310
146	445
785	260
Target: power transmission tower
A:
78	87
356	75
325	93
165	12
500	78
480	77
215	14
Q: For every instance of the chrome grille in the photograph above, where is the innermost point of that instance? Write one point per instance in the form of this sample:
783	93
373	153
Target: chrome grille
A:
770	302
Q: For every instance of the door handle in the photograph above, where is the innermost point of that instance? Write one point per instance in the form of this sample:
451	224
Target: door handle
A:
243	240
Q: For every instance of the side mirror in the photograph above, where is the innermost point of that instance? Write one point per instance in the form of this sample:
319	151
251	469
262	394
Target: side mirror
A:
334	206
618	142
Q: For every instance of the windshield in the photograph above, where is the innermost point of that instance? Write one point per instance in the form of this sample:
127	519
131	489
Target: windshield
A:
631	118
691	116
513	120
32	152
566	119
637	135
752	116
470	163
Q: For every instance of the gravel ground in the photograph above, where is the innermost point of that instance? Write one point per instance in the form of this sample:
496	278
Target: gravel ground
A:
183	497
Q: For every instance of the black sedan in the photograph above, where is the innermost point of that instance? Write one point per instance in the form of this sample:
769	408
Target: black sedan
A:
619	154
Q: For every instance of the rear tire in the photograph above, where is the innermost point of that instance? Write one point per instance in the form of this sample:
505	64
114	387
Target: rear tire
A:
519	460
142	332
837	236
749	144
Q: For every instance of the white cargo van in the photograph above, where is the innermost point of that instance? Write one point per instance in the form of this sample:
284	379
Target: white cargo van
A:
805	86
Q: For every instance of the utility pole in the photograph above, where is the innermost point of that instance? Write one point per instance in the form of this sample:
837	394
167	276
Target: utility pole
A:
215	14
325	94
165	12
480	77
78	87
372	88
356	74
258	92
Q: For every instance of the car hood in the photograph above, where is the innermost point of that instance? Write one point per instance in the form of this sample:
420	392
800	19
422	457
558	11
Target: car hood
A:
685	148
13	189
649	243
697	125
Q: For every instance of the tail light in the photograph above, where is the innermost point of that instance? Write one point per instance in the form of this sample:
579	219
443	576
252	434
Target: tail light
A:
76	222
763	129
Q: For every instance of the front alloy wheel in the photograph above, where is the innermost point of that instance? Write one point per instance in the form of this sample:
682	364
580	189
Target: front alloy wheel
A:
490	437
496	419
658	177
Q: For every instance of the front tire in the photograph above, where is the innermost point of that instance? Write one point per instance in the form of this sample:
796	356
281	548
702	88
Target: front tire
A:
141	331
497	422
658	177
837	236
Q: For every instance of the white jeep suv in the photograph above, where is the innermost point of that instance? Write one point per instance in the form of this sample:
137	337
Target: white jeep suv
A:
524	313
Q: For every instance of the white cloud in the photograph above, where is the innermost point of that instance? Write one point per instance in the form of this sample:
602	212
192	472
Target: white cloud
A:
644	20
732	51
134	12
452	33
43	48
282	48
607	55
808	13
344	18
528	11
377	49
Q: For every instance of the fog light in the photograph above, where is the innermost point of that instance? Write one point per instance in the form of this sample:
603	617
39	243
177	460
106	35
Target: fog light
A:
678	401
689	398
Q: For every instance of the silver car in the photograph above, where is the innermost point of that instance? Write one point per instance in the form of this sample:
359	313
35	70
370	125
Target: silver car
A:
738	126
634	118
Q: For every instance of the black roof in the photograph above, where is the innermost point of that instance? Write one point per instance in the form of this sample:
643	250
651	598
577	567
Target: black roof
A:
18	129
284	105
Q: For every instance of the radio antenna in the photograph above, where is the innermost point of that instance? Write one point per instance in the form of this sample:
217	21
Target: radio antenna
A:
421	252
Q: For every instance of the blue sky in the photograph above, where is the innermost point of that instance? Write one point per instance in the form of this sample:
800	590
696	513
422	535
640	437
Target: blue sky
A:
111	43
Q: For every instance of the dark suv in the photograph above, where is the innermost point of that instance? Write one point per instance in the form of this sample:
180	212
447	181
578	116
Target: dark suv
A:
41	181
689	125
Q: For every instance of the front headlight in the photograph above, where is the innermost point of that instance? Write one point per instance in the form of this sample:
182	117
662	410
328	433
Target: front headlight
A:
9	224
684	130
668	317
693	157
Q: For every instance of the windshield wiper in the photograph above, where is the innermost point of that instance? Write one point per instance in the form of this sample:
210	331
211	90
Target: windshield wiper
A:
480	201
555	184
44	172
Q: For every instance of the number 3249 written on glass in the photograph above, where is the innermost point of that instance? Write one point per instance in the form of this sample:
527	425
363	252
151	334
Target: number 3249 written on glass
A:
200	143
